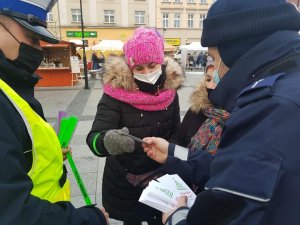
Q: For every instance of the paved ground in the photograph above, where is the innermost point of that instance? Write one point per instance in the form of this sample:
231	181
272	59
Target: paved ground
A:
82	103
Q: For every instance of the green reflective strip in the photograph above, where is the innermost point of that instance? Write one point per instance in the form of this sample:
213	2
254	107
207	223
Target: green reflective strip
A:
94	144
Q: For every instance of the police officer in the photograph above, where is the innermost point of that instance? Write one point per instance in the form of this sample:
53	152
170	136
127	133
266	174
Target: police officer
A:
255	176
33	186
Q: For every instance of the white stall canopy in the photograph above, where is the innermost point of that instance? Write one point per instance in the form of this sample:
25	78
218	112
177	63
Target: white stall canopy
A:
108	45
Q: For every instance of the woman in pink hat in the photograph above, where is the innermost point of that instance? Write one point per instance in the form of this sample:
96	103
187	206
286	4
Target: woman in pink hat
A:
139	99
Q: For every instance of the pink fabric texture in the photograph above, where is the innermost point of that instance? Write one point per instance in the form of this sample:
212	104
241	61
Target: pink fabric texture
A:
146	46
141	100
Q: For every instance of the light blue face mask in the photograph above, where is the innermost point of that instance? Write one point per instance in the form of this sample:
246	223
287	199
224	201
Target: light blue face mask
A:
216	76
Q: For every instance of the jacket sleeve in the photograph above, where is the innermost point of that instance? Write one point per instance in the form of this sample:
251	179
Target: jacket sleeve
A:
107	118
176	116
189	126
210	208
17	205
192	167
180	136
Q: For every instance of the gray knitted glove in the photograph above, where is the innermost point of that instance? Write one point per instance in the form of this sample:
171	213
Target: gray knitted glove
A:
116	143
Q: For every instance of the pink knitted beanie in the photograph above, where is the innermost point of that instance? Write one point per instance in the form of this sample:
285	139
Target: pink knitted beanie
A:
146	46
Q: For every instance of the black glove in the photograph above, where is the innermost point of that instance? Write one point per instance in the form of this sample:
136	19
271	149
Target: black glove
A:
116	143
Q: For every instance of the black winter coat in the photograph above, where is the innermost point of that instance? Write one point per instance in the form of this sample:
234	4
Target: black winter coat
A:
120	198
191	123
194	117
17	205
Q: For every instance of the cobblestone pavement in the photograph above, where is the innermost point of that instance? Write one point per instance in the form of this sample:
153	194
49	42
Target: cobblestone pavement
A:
82	103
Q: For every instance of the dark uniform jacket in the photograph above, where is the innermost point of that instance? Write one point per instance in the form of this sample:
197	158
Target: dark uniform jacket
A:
120	198
17	205
255	177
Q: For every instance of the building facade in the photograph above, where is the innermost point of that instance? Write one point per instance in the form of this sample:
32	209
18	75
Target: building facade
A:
103	19
179	21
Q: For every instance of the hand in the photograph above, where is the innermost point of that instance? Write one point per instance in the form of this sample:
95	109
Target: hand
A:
182	201
102	209
116	143
156	149
65	151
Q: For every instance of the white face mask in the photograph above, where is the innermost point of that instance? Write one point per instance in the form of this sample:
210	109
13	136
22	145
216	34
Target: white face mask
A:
150	78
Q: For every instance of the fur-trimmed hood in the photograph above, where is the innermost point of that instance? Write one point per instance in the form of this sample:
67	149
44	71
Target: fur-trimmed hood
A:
199	98
118	74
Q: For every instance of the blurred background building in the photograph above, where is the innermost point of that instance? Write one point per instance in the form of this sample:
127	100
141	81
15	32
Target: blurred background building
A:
179	21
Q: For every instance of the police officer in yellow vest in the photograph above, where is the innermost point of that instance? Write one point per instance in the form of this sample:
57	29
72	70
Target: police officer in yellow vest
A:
33	186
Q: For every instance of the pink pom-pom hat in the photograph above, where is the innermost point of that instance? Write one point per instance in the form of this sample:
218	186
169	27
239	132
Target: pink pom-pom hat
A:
146	46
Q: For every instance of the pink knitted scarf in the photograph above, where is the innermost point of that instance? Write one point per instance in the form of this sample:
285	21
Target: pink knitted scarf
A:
141	100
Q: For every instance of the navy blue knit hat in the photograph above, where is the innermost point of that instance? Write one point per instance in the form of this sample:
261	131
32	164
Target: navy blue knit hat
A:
235	26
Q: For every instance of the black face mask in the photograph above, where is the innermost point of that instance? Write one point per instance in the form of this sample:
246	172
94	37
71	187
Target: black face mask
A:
153	88
209	90
29	58
150	88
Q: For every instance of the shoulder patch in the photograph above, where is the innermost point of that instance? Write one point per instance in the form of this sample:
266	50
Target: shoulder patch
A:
267	82
258	89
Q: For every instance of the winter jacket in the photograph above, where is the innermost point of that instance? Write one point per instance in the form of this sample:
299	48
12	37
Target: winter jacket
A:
17	205
120	198
192	167
193	118
255	174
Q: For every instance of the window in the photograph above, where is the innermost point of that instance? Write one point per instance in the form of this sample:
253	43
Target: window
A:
202	17
190	20
177	1
109	16
165	0
177	20
165	20
140	17
191	1
203	1
76	15
49	17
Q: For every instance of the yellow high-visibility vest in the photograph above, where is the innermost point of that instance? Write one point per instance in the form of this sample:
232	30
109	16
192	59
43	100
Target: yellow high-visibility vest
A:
47	160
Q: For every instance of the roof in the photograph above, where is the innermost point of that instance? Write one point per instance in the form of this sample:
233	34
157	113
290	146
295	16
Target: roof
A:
61	44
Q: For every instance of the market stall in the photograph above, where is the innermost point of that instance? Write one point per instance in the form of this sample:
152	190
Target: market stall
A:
107	47
56	68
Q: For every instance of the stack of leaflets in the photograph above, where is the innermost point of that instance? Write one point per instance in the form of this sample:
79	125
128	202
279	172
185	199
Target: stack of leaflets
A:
164	193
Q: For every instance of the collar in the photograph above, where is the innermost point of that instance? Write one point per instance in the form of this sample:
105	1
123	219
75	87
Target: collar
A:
15	76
